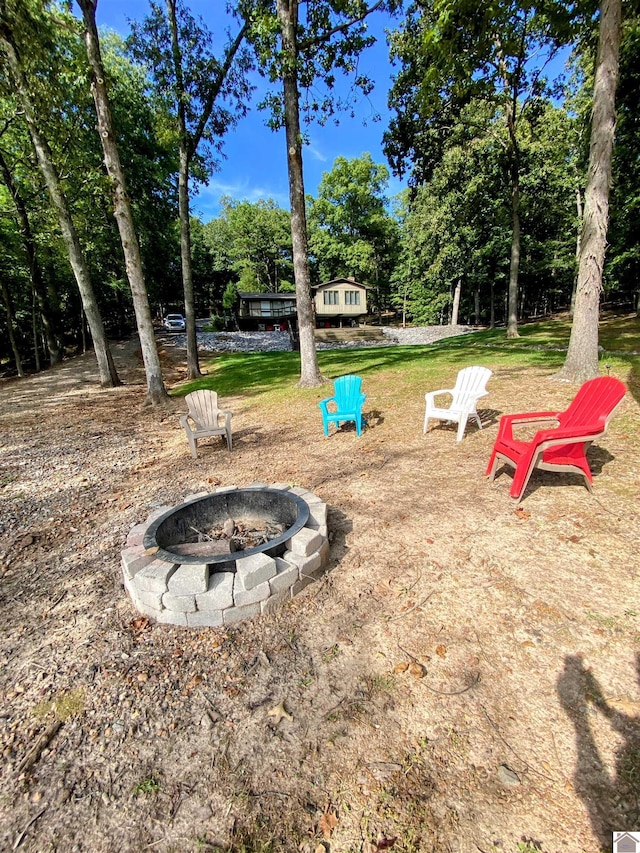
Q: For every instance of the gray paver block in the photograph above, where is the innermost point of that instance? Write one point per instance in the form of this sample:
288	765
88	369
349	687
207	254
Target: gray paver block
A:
251	596
150	599
256	485
325	552
299	491
156	513
237	614
189	579
134	560
155	576
318	513
152	612
181	603
282	487
226	489
205	619
219	595
254	570
131	588
322	529
136	535
287	575
301	584
306	565
275	601
304	542
172	617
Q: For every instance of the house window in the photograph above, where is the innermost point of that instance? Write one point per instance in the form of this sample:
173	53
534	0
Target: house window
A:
352	297
331	297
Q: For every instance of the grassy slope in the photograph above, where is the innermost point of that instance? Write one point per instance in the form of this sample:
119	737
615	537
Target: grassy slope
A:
541	346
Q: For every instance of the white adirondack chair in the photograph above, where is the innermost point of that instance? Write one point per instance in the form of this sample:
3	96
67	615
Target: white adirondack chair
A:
204	418
469	388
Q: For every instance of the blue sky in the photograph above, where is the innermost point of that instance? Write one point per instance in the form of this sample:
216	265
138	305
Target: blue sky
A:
255	166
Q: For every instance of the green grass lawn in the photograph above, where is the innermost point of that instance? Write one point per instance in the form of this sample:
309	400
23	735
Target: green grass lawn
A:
540	346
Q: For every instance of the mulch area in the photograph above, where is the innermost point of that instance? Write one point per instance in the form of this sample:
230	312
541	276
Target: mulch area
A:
464	678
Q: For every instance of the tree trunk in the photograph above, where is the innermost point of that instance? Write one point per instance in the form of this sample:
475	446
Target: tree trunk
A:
514	266
492	306
578	245
8	304
37	280
156	392
476	305
106	367
456	302
310	375
581	363
193	365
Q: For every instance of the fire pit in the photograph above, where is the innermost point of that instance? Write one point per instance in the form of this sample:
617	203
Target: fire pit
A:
221	557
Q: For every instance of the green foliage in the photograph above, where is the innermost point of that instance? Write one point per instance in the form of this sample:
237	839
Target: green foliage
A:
351	232
252	242
147	786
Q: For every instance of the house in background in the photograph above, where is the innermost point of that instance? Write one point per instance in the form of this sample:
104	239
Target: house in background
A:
266	311
340	302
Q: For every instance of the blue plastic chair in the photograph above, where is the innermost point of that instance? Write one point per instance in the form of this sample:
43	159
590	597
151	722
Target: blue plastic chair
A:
347	399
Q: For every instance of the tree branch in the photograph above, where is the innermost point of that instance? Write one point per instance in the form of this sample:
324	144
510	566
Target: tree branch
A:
324	37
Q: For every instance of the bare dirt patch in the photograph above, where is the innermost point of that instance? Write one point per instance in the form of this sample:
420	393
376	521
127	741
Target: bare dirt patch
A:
465	677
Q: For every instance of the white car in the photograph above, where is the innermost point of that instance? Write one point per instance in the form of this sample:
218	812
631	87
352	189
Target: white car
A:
174	323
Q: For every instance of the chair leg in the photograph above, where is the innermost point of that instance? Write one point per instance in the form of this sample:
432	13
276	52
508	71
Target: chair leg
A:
426	421
229	440
462	425
192	444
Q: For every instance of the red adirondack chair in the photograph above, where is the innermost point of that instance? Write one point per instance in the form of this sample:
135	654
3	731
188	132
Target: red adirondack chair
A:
559	448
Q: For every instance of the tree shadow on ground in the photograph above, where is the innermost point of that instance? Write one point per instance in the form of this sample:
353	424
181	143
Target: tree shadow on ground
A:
612	800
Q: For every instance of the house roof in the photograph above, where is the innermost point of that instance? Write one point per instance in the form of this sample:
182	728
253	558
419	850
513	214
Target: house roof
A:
270	296
335	281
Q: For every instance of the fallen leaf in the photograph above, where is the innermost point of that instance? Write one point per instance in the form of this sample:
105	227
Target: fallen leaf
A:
328	823
152	551
320	849
521	513
417	670
384	843
400	667
441	651
279	713
140	623
429	541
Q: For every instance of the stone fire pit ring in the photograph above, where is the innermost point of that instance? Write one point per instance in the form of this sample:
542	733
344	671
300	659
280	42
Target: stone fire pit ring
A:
213	589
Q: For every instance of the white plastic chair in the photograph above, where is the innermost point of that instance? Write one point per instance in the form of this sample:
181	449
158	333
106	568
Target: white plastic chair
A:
469	388
205	416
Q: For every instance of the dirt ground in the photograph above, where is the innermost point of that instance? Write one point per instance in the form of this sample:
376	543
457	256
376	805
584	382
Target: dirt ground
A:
463	679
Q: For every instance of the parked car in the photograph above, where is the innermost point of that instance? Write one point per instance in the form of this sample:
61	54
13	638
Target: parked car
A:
174	323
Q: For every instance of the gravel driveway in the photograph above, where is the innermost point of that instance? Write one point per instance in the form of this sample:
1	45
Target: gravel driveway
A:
280	341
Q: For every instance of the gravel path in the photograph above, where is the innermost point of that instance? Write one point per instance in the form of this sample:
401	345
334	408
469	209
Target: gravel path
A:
280	341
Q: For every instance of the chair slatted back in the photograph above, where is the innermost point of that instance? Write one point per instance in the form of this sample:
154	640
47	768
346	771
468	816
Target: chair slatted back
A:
470	382
203	407
347	393
594	404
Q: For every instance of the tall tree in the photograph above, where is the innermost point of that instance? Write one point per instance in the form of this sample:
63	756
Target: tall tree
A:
300	53
456	50
156	392
581	363
207	96
351	232
12	56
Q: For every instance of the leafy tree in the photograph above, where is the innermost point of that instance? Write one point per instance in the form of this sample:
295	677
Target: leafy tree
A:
206	96
581	362
622	269
253	241
299	54
27	30
156	392
454	51
351	232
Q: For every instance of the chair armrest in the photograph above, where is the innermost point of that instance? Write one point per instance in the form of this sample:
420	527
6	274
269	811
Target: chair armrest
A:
507	422
184	420
324	403
431	394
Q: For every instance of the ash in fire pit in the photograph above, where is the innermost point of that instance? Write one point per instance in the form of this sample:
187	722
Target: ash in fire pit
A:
230	537
221	557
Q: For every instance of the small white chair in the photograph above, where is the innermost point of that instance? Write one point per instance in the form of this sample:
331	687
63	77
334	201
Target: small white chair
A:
205	416
469	388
